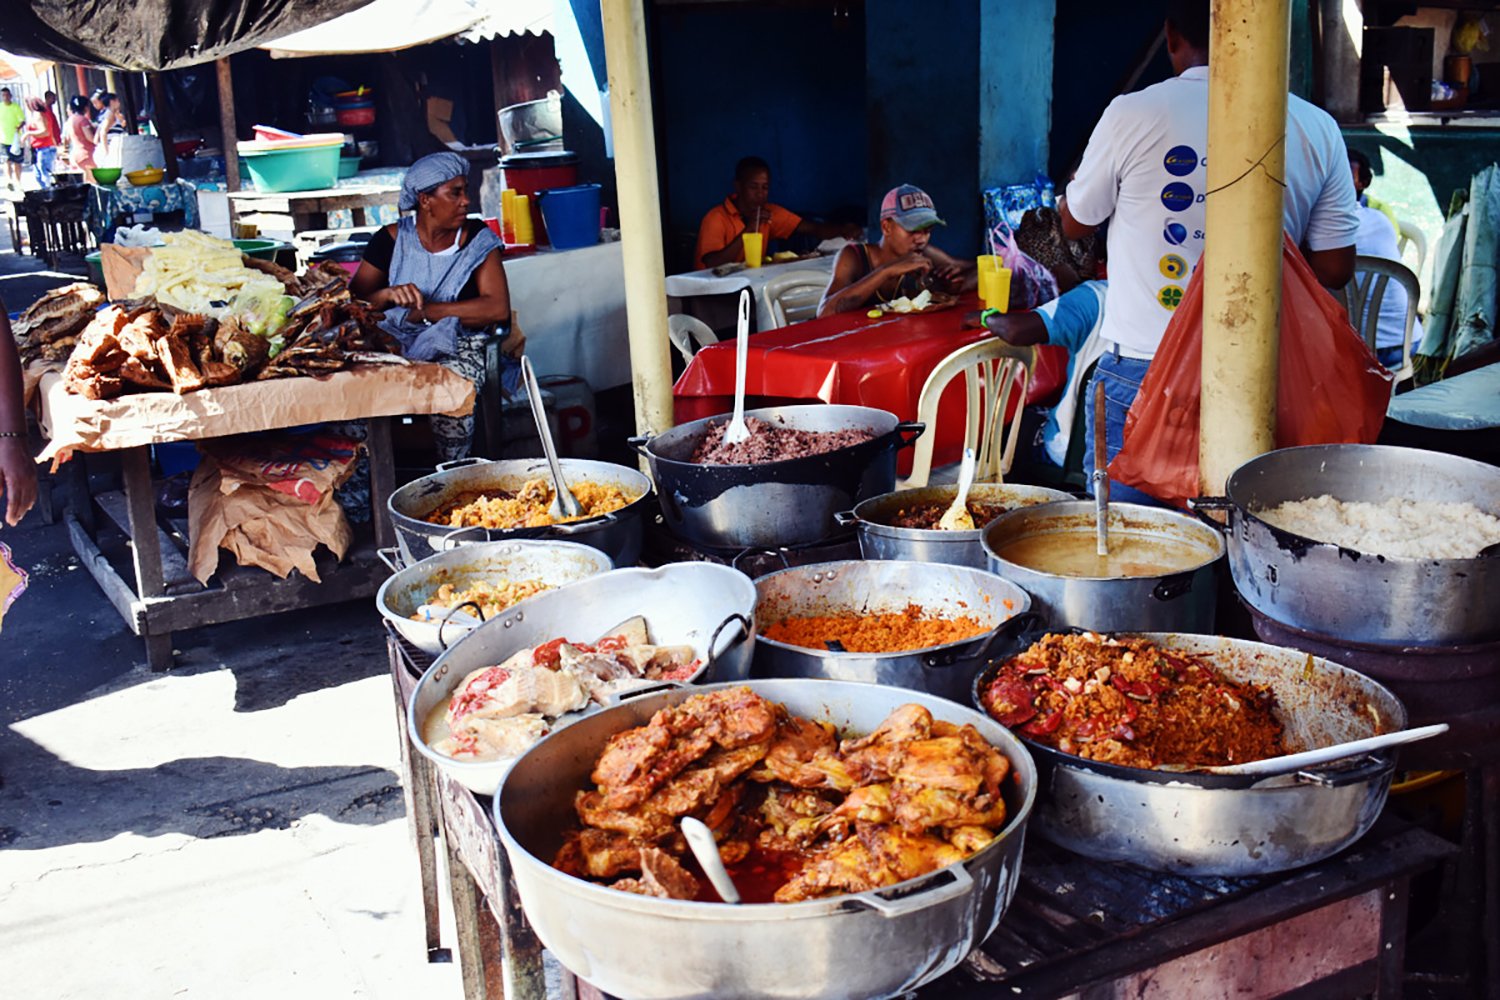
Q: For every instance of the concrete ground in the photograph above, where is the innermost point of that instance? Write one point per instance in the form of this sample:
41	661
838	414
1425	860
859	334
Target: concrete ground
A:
233	828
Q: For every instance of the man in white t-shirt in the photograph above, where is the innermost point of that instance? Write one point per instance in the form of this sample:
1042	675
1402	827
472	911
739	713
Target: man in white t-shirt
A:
1144	172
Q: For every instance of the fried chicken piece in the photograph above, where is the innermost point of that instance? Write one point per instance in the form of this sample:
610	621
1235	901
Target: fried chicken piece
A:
802	755
876	757
638	761
590	853
140	375
875	856
661	875
970	839
918	808
689	793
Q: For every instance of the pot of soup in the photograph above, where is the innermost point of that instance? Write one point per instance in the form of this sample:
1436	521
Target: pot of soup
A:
1159	575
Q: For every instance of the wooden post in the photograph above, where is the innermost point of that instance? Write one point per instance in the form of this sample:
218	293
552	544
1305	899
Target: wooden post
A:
162	120
81	75
1242	268
640	212
497	84
226	122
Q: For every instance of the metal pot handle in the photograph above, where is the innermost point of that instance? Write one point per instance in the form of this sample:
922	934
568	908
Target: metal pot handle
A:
633	693
942	886
780	553
478	611
392	558
745	631
1361	769
1169	588
450	540
845	518
913	427
638	444
1022	624
459	463
1198	505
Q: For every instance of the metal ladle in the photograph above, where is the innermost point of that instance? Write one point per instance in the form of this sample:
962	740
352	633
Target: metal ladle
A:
564	503
701	842
1101	474
738	430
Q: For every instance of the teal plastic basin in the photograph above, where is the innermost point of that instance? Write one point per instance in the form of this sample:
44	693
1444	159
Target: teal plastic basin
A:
259	249
294	169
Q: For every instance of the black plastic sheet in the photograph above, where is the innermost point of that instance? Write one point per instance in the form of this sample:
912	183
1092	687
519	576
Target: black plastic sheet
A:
154	34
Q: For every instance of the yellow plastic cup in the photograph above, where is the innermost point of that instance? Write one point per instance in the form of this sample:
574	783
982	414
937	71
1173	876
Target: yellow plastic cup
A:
755	243
1000	288
989	266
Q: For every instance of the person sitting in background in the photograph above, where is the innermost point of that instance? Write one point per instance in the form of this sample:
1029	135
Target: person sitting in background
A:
904	262
17	469
79	134
438	276
42	133
1378	237
749	209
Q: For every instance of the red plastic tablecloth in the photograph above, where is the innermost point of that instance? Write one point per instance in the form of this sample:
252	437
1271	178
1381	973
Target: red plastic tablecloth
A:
853	359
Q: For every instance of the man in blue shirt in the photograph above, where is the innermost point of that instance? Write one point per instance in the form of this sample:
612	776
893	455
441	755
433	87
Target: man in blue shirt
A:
1073	321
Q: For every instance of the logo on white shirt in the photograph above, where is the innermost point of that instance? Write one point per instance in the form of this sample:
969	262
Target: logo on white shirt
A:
1180	161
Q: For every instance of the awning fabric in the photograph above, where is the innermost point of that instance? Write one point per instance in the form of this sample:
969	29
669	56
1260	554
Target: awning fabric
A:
156	34
382	26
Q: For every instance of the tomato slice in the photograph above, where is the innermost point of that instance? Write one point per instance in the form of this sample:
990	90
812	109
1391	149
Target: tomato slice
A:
1011	700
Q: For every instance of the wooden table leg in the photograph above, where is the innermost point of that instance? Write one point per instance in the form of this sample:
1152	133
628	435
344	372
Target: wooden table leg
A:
466	917
1489	785
421	821
359	216
382	477
145	546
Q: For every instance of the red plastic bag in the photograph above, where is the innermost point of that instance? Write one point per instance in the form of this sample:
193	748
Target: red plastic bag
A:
1330	390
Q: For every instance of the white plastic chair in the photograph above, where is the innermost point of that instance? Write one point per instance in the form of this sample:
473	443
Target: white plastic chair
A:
689	334
1362	297
995	373
794	296
1407	232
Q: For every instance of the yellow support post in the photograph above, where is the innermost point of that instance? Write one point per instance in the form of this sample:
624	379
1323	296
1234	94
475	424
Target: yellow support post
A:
640	212
1242	259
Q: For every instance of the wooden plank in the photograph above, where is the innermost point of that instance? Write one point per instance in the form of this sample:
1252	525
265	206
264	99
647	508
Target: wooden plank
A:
312	202
145	537
116	590
250	592
227	130
421	822
173	560
466	917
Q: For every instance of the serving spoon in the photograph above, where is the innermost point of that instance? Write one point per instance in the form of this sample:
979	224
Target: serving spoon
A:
1287	763
564	503
701	842
1101	475
738	430
957	516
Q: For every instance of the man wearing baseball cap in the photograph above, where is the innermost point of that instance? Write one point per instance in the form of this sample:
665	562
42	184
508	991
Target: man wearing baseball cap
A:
904	261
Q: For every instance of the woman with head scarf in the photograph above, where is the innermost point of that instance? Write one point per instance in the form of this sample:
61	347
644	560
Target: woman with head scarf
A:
79	133
437	274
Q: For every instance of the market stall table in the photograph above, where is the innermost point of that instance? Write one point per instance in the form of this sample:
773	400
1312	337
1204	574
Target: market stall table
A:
854	359
1076	926
692	284
309	209
164	596
110	206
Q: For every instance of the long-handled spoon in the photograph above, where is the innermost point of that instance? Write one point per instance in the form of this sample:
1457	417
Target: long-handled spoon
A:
701	842
738	430
564	503
957	516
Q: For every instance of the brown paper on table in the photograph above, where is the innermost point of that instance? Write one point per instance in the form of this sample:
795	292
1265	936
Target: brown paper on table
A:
238	501
122	266
74	423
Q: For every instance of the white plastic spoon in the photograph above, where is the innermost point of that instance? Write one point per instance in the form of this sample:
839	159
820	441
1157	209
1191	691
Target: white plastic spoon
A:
701	842
957	516
1287	763
738	430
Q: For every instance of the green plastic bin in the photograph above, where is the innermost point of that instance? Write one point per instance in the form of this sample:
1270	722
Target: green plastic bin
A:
294	169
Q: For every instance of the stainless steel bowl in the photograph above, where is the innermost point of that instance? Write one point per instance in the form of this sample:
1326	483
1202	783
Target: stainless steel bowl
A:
704	605
880	539
617	534
1177	602
1360	597
880	587
1232	826
792	502
872	944
553	563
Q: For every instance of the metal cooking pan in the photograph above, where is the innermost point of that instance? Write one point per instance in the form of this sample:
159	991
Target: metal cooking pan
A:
1229	825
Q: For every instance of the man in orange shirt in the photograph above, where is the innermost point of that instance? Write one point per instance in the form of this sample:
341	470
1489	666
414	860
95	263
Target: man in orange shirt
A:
749	209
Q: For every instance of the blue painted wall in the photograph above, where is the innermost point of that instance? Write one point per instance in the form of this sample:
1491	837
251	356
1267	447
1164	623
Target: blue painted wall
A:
1015	89
783	83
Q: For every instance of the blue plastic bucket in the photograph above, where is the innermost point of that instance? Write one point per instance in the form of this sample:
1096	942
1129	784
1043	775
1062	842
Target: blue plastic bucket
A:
571	215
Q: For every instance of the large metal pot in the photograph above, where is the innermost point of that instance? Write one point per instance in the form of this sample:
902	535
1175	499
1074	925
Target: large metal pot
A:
553	563
871	944
792	502
1177	602
1234	826
617	534
1360	597
707	606
887	587
880	539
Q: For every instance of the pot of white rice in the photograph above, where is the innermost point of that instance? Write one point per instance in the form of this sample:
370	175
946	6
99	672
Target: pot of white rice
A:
1367	543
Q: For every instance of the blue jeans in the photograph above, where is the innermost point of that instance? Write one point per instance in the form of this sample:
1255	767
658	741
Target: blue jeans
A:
1122	381
1390	356
41	165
